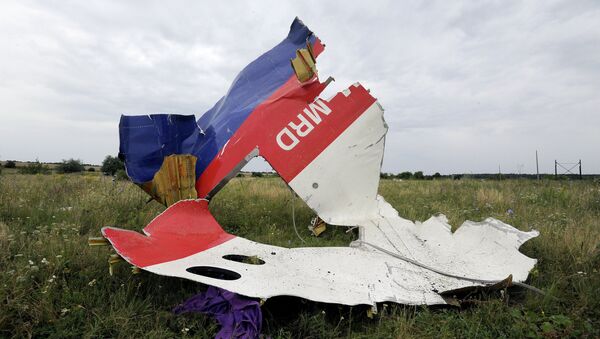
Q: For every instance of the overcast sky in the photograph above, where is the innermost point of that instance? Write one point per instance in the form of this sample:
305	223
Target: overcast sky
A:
467	86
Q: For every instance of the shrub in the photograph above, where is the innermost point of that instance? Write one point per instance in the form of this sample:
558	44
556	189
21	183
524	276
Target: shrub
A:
70	166
419	175
121	175
257	174
10	164
91	169
404	175
437	175
35	167
111	165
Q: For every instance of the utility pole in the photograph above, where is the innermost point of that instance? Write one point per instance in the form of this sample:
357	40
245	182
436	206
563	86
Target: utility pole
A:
537	166
580	176
555	169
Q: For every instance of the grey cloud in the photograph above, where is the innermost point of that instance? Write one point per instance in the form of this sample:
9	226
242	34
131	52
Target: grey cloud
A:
467	86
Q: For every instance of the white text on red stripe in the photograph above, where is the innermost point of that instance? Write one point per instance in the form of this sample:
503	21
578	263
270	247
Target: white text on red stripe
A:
290	135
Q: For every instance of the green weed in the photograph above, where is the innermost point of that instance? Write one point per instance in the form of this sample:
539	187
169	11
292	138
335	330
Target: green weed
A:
53	285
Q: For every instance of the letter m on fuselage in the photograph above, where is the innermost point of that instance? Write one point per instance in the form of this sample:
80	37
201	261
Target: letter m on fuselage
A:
313	109
291	135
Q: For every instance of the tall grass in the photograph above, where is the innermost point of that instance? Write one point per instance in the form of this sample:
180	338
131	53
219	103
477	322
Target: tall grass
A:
53	285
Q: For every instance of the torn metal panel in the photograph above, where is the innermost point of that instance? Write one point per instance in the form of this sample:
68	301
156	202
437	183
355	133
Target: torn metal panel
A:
486	250
330	153
267	79
393	260
289	133
266	86
146	140
186	230
346	275
340	183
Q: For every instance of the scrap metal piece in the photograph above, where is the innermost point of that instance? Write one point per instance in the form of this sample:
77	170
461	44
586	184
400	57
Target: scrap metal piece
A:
147	140
263	89
304	64
332	161
98	241
330	153
186	241
113	259
317	226
174	181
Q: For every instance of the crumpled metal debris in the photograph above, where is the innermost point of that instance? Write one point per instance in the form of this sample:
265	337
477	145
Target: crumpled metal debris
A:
329	152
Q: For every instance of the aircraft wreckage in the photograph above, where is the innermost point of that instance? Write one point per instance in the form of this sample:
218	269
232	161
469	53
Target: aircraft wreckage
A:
329	152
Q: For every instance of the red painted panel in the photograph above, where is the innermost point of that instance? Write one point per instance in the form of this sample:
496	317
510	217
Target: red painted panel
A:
263	125
344	111
183	229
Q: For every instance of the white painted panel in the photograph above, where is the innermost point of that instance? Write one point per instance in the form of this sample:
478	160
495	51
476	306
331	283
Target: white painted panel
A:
341	183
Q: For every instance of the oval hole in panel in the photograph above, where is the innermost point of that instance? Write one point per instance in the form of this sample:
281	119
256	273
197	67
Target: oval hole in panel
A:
214	272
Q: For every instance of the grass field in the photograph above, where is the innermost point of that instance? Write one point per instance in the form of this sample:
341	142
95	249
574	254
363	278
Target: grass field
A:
53	285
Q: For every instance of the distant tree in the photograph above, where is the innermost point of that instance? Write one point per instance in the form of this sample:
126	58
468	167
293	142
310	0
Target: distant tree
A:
70	166
419	175
404	175
10	164
35	167
91	169
111	165
384	175
437	175
257	174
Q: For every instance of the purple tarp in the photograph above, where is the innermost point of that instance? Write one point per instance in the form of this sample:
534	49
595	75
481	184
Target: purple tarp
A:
239	316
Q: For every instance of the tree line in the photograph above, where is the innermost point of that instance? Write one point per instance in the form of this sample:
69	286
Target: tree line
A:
409	175
110	166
